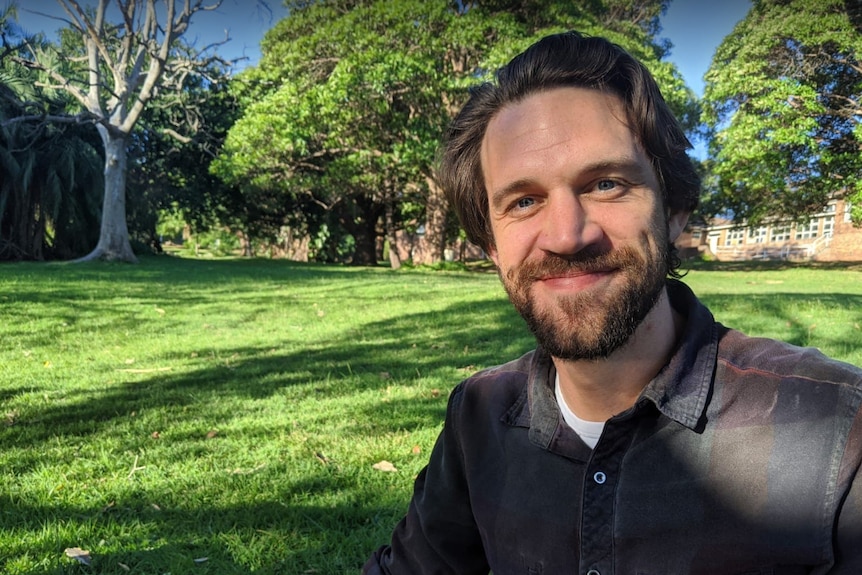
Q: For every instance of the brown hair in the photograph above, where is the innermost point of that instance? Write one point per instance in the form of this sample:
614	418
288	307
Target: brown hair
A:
569	59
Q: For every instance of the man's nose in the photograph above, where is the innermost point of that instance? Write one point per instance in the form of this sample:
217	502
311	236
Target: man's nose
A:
567	226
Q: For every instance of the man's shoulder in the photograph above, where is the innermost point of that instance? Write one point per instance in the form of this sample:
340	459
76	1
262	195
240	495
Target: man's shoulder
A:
516	368
771	358
495	398
498	383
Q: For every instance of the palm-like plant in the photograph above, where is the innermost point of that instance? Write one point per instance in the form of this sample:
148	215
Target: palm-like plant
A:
50	174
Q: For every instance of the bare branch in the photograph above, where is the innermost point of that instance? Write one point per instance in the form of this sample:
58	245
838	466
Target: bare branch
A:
176	135
61	80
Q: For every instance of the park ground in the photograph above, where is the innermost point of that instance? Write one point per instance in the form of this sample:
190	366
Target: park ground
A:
227	416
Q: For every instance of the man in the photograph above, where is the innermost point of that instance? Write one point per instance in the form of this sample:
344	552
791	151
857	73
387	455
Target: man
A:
640	437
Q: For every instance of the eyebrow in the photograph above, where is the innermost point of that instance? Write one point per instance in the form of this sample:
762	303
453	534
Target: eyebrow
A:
626	165
498	197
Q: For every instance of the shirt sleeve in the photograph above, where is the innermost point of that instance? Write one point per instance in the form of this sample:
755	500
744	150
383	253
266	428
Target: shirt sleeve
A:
439	535
848	538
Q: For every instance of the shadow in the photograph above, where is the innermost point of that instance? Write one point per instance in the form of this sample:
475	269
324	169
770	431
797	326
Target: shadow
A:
224	540
370	357
766	265
779	313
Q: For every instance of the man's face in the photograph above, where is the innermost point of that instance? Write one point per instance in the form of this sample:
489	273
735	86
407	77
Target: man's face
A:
580	234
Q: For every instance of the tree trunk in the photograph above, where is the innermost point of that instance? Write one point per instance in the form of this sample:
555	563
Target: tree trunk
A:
364	230
436	211
365	250
114	235
394	258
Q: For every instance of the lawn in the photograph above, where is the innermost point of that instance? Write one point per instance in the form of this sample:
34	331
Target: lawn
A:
226	416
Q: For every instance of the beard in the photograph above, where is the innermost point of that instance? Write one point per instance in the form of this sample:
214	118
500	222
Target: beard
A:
590	325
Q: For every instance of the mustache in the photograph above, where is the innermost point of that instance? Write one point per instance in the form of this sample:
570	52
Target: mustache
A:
585	261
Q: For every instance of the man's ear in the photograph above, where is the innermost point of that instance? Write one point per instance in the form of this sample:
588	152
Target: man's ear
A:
676	222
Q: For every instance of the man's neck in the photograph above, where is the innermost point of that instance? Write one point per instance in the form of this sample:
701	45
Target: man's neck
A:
596	390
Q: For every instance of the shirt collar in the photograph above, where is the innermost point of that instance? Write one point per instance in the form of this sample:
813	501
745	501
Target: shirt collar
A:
681	389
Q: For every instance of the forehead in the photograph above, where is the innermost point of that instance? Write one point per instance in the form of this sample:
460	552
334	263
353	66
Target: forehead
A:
561	111
559	129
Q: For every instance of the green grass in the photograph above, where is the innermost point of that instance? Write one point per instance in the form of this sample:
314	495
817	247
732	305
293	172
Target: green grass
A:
232	411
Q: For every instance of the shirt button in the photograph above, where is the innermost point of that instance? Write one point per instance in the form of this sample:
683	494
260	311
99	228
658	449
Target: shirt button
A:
593	572
599	478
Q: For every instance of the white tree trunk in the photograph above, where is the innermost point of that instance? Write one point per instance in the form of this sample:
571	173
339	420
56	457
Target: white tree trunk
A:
114	236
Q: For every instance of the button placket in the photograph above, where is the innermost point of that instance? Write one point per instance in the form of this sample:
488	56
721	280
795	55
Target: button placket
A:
598	512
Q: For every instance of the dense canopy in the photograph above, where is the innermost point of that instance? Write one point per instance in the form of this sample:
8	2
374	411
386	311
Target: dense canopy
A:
783	101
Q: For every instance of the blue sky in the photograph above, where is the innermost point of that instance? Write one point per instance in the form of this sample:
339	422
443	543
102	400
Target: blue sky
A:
695	27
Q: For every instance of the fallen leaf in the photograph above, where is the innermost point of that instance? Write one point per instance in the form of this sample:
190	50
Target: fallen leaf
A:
130	361
323	459
384	466
435	393
202	559
160	311
211	433
385	375
320	313
124	567
78	555
156	435
416	450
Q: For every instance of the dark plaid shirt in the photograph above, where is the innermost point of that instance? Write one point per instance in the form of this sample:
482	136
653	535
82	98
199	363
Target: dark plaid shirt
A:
742	456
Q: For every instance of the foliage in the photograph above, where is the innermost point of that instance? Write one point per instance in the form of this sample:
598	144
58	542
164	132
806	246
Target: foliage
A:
343	115
169	175
49	173
232	410
782	100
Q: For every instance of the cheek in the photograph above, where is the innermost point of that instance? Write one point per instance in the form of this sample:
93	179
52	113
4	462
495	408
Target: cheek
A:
513	244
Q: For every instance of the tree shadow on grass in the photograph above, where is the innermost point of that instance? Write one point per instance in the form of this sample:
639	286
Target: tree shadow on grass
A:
782	312
466	337
282	535
371	357
767	265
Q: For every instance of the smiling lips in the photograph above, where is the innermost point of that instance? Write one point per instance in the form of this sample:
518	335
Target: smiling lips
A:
574	279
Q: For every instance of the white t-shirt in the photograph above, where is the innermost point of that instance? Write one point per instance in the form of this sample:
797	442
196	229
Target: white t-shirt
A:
590	431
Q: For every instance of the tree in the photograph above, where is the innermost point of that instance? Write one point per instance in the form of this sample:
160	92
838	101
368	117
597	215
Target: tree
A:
170	174
782	100
117	70
352	124
350	99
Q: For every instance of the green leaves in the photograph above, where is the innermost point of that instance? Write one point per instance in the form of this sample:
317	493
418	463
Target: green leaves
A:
782	101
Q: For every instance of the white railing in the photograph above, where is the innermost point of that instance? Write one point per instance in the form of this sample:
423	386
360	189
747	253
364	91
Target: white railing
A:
772	252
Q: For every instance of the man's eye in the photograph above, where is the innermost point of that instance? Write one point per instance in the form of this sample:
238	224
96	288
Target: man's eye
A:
525	203
606	185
